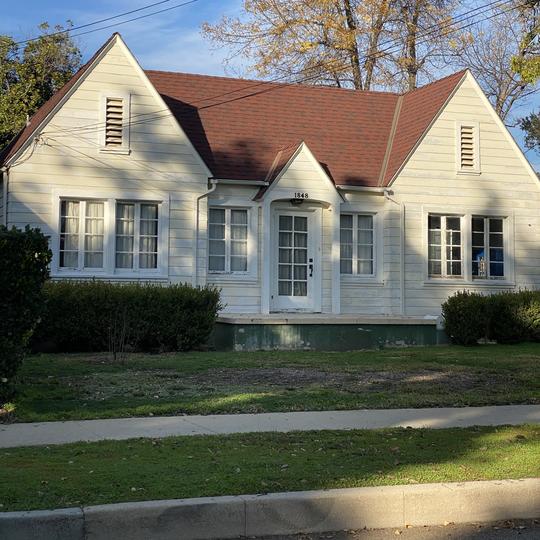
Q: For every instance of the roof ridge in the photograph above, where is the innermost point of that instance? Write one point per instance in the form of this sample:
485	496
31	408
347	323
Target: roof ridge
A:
274	83
427	85
391	138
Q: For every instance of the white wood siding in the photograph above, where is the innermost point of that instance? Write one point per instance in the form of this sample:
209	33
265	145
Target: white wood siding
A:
504	186
161	159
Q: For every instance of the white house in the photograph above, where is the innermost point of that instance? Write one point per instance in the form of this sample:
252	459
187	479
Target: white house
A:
289	198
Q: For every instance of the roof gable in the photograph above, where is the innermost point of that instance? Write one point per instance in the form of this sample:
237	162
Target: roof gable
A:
50	105
419	109
247	130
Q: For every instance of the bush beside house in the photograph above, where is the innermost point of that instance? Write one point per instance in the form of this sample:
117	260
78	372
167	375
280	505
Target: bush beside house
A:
101	316
24	260
506	317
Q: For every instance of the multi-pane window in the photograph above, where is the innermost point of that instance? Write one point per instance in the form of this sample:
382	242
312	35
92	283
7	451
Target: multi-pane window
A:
228	240
137	226
444	246
81	234
357	244
487	248
87	243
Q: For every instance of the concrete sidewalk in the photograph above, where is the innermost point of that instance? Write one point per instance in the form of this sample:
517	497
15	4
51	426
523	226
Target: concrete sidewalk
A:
46	433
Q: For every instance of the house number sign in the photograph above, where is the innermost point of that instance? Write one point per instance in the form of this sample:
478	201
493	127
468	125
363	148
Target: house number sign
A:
301	195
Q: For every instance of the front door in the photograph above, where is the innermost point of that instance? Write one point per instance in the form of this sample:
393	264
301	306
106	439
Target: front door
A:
296	272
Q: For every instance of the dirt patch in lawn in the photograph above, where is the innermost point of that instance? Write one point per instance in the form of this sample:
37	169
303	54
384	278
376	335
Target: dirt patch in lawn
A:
168	384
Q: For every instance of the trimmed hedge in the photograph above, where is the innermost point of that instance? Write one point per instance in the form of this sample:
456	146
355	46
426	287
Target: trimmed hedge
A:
84	316
24	260
506	317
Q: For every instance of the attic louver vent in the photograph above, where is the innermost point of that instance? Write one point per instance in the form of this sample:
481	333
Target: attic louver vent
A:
467	148
114	121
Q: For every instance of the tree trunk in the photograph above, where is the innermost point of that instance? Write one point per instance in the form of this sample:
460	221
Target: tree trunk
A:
354	57
373	49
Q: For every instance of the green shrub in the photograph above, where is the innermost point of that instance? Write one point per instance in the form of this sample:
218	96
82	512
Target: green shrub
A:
24	260
101	316
505	317
464	316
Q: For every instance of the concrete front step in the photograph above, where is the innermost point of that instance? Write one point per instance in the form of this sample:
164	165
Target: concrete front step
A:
283	513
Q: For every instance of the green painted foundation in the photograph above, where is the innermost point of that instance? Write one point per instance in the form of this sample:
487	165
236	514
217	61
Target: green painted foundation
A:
322	337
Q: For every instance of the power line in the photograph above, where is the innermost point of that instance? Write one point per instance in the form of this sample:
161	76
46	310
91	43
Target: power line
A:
148	6
155	115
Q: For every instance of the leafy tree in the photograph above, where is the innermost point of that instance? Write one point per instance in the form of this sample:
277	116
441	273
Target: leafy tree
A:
24	260
337	42
531	125
527	61
487	49
30	75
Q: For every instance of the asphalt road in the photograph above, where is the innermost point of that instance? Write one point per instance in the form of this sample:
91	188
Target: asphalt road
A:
515	530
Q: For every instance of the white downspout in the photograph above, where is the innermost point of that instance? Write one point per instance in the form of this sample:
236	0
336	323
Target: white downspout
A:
213	184
402	260
5	180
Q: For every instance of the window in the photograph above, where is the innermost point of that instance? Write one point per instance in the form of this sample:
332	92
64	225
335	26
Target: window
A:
357	244
87	243
487	248
114	120
81	234
137	227
228	240
444	246
468	160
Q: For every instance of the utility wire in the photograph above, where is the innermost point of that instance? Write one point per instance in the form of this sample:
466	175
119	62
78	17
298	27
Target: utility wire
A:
424	37
75	28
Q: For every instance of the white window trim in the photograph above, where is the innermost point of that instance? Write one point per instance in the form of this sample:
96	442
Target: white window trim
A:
235	203
377	277
109	254
487	247
466	245
444	276
476	142
126	131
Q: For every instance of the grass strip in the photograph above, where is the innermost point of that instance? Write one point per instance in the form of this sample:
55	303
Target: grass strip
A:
85	386
181	467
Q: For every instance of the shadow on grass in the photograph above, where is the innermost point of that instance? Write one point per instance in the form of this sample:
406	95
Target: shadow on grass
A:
183	467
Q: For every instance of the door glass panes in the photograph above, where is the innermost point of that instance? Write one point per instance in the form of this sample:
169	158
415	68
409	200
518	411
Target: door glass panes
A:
216	240
292	256
93	235
69	234
125	234
444	246
487	248
148	236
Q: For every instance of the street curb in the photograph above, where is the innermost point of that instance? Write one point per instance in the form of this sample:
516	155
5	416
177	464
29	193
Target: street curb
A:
283	513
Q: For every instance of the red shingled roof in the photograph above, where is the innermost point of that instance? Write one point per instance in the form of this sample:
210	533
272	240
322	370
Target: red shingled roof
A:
247	130
239	127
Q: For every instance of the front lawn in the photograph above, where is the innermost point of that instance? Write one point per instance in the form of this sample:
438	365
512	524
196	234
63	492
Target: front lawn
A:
83	386
179	467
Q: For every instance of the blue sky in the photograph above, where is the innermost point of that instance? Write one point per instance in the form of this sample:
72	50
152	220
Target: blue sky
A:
169	41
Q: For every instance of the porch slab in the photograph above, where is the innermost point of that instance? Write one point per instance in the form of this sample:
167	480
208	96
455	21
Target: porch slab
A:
321	318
